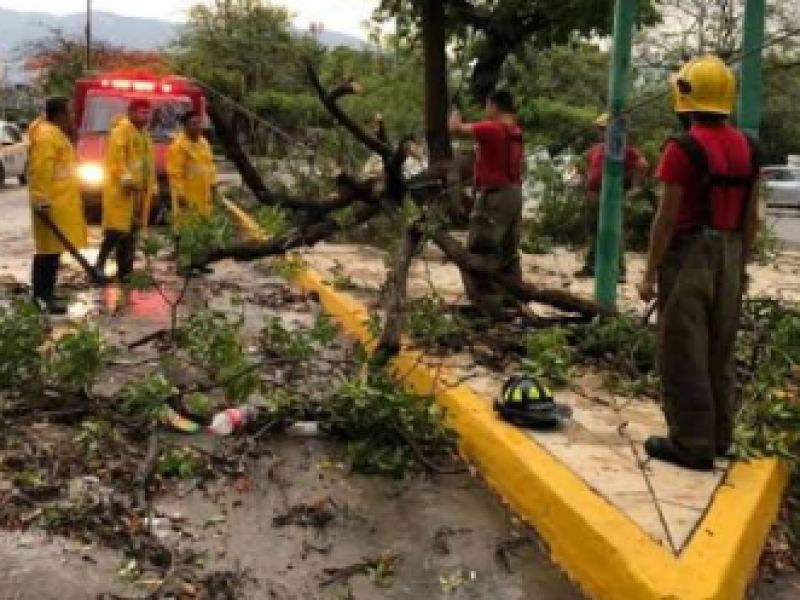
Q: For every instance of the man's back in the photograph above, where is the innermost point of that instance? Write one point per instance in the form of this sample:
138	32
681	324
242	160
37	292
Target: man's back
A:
728	153
500	154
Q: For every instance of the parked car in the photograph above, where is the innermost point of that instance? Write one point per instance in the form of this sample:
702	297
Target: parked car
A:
783	186
13	153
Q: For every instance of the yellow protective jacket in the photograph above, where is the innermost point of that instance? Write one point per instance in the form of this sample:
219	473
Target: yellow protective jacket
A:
128	157
54	181
191	170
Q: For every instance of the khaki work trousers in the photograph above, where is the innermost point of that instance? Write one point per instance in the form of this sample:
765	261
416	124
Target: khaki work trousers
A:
495	226
700	298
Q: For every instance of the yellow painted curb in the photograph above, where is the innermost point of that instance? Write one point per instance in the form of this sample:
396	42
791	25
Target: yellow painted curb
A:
608	555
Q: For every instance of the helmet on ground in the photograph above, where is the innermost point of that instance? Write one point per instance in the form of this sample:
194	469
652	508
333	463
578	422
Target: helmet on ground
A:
602	120
706	85
527	402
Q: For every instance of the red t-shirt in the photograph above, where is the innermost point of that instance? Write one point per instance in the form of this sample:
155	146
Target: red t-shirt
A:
596	158
499	155
728	153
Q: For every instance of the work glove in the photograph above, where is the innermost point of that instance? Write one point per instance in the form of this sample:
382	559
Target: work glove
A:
129	185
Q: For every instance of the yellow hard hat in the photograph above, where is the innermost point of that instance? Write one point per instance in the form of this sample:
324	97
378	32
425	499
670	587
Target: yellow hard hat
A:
706	85
602	120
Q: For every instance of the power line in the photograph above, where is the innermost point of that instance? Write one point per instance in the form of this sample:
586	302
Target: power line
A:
244	110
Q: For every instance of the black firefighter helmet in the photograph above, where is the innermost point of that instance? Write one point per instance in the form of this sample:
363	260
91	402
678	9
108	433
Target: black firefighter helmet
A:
526	402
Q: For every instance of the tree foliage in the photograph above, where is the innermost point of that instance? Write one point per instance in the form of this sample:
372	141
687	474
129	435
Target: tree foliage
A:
58	60
246	50
498	29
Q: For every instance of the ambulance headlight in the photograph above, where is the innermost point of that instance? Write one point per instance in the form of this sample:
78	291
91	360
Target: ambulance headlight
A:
90	174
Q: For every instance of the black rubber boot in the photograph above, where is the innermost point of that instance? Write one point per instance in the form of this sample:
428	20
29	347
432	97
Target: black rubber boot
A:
110	243
667	450
126	256
43	282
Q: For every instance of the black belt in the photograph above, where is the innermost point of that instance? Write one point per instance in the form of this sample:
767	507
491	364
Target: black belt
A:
707	233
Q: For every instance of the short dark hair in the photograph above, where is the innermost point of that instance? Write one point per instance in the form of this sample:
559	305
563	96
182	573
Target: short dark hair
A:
56	107
707	118
503	100
188	116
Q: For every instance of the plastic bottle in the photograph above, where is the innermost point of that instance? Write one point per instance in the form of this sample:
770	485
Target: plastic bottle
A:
304	429
228	421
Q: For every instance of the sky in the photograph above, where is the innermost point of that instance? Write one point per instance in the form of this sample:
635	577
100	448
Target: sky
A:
345	16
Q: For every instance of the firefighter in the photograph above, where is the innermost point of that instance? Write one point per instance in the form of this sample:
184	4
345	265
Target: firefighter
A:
700	243
496	219
129	187
192	176
54	191
635	169
191	170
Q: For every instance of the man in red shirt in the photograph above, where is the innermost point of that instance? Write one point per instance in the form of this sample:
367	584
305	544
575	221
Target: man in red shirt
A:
700	242
636	167
496	218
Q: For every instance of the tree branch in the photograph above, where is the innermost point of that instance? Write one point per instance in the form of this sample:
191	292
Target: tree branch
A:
329	102
517	287
306	237
468	13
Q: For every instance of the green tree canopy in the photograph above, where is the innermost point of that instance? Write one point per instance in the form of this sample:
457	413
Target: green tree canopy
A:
502	28
246	50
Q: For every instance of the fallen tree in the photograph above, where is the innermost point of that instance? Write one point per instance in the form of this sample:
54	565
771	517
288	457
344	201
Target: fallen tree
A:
437	194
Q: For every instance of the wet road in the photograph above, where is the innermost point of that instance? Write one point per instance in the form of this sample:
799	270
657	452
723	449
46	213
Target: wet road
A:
446	530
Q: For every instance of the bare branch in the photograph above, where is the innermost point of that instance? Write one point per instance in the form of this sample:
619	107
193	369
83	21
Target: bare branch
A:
515	286
307	237
329	101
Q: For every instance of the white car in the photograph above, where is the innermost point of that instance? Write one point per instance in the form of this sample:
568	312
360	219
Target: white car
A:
783	186
13	153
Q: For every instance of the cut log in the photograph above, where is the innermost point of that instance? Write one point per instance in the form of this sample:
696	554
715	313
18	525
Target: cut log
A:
517	287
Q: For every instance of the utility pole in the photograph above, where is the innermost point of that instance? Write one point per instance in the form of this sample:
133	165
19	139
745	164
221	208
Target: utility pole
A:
609	239
748	115
88	35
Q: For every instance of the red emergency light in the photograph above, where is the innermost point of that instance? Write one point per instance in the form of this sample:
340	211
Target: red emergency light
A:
136	86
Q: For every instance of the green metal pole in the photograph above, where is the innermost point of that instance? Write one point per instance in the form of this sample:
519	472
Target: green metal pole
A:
609	239
750	89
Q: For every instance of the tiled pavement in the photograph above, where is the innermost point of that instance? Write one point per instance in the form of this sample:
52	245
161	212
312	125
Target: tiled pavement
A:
603	442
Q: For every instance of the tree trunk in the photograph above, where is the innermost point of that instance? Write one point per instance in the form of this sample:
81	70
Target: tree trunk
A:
437	105
394	303
437	97
491	58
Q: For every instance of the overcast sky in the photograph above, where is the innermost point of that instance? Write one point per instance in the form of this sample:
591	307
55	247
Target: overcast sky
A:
337	15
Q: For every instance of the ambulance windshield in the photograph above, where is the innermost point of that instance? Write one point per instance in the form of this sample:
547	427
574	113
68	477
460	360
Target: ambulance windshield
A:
102	112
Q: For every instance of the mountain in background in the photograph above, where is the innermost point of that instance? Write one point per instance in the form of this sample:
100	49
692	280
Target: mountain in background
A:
18	28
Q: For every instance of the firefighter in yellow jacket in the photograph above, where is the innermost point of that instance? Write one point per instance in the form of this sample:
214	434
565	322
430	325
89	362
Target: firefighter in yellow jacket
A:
192	174
54	191
129	187
190	166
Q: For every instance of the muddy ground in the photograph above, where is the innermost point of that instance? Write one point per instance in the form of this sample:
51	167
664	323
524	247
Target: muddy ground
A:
292	522
425	537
